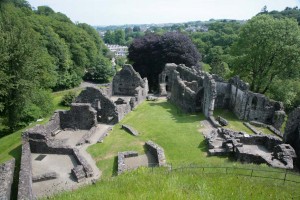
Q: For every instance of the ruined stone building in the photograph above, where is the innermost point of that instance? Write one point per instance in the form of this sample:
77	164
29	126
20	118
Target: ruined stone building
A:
194	90
59	138
41	140
127	90
292	131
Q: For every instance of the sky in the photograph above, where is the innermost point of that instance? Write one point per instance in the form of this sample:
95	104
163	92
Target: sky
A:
119	12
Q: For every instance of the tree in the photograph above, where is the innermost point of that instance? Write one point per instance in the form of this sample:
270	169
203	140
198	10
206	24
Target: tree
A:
26	67
101	72
151	52
136	29
109	37
120	37
267	48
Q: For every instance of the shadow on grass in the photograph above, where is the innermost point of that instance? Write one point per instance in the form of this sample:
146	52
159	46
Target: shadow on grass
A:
203	146
16	153
115	167
177	114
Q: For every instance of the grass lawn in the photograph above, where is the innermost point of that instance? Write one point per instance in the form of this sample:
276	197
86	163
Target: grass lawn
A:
178	134
160	122
236	124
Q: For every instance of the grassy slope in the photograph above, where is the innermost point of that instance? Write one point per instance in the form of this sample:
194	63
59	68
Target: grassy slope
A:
183	144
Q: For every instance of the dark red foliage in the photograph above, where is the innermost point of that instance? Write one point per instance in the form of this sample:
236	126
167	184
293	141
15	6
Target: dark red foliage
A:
151	52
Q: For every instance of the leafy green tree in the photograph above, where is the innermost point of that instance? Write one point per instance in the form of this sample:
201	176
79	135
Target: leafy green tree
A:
101	73
215	58
136	29
267	48
120	37
109	37
27	69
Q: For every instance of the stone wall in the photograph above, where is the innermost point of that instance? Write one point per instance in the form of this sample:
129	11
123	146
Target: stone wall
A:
6	178
121	160
210	93
250	106
157	151
222	99
126	81
194	90
105	107
80	116
182	95
25	176
292	131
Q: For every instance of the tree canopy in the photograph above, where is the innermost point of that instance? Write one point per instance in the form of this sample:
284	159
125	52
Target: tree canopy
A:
41	51
267	48
151	52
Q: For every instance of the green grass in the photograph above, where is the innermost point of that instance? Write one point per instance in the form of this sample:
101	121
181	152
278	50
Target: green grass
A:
144	184
234	123
178	134
157	121
57	97
263	130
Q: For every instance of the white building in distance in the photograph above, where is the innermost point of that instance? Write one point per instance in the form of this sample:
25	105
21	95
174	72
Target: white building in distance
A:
119	51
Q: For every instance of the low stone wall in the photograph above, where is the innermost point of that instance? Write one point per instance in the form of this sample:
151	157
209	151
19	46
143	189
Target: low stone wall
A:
222	121
131	130
44	177
251	128
6	179
51	147
79	173
214	122
82	161
270	127
100	140
121	159
25	176
157	152
275	131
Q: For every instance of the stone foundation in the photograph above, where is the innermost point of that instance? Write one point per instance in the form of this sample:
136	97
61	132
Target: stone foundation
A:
121	160
157	151
256	149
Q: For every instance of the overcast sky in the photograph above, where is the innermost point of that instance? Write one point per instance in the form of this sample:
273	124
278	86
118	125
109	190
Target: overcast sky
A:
118	12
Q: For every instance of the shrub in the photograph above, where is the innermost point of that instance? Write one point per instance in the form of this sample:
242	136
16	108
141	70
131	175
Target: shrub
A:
68	98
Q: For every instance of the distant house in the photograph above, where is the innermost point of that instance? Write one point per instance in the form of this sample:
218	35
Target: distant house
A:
119	51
